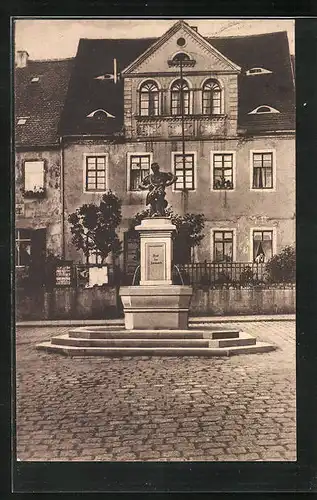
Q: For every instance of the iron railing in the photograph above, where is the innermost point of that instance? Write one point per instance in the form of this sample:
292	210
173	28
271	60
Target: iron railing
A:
202	274
210	273
214	273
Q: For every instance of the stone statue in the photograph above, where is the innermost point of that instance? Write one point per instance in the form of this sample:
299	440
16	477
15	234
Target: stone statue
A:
156	183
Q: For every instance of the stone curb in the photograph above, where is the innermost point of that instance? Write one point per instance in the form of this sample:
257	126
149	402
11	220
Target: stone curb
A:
194	320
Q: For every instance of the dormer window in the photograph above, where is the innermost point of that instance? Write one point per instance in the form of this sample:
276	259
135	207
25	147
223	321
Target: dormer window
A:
106	76
100	114
22	120
257	71
149	98
181	58
263	110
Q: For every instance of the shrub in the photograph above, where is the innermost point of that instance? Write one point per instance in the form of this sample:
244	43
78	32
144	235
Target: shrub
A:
281	268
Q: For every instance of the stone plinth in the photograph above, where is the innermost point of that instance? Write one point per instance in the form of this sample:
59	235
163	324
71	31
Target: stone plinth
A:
156	251
156	307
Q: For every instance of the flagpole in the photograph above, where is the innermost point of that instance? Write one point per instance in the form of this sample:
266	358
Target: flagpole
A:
184	191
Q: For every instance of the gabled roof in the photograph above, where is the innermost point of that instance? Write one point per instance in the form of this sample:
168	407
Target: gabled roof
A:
40	102
180	25
95	58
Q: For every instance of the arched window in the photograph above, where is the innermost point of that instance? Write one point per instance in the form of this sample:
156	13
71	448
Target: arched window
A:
149	99
181	56
180	96
212	98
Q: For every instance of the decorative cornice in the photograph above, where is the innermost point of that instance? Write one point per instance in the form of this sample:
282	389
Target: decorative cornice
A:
171	63
176	73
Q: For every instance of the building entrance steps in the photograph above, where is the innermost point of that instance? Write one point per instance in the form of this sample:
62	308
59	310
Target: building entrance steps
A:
98	341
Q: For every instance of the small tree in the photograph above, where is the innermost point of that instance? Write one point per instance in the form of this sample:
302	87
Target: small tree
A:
93	227
189	229
281	268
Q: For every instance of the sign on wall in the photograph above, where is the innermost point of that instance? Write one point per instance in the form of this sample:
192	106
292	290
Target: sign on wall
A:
64	274
89	276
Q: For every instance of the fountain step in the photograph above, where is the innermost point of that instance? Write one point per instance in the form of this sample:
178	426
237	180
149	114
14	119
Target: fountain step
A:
244	339
102	333
137	341
259	347
129	342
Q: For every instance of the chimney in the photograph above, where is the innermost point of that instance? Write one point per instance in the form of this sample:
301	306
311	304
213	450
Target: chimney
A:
194	28
21	59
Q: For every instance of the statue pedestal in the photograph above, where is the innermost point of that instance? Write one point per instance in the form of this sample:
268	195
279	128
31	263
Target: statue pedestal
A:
156	251
156	303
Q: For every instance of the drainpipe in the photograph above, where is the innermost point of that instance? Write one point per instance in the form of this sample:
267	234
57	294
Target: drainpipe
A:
62	194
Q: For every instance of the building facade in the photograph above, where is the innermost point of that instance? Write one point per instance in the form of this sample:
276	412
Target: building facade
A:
219	113
40	90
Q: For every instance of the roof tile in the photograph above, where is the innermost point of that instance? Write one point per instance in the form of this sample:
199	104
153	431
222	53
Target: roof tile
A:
41	102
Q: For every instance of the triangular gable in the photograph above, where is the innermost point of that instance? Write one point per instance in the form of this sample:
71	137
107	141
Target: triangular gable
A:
205	55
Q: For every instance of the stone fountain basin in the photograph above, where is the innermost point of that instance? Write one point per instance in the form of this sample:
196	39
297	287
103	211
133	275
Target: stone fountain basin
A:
156	307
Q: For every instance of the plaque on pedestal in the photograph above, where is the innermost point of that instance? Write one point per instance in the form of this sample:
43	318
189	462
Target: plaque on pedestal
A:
156	261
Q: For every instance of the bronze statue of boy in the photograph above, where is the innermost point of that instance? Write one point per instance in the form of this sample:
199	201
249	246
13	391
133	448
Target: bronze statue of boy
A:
156	183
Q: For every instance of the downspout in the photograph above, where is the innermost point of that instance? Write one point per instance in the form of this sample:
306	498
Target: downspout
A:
62	194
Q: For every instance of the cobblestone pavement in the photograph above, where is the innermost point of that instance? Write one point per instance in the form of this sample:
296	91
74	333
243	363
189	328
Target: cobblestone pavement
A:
161	409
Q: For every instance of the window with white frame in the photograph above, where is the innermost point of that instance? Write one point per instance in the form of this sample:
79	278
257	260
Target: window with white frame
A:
34	176
149	99
180	98
22	247
222	246
96	178
222	165
262	170
139	168
212	97
262	245
184	169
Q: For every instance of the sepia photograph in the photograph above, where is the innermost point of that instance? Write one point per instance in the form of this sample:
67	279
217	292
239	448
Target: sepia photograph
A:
155	239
